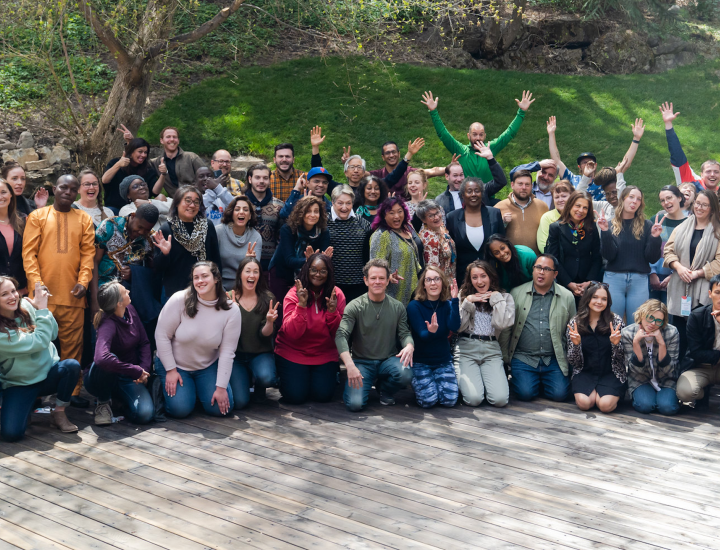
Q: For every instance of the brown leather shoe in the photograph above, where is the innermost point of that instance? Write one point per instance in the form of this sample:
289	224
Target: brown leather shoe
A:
59	420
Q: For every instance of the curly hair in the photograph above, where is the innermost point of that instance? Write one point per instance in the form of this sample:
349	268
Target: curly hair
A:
385	207
327	288
468	288
227	218
295	219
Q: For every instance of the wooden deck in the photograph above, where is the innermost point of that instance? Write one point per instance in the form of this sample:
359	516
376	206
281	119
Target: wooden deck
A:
536	475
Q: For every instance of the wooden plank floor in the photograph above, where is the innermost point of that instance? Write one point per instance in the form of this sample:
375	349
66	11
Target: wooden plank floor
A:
534	475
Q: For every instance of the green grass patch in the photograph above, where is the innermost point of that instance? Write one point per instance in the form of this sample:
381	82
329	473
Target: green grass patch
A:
361	104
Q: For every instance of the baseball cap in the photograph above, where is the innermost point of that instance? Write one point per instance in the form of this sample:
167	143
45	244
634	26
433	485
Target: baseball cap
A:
319	170
586	156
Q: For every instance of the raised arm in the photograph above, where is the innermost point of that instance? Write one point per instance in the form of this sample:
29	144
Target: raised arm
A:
554	153
450	143
678	160
500	142
638	129
499	179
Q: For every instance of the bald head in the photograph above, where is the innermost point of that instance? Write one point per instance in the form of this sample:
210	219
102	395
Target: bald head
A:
221	160
65	191
476	132
67	178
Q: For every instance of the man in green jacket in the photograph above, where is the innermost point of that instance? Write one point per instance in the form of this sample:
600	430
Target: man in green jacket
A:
535	346
472	164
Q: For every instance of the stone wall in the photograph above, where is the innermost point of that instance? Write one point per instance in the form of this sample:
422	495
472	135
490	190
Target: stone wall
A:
42	163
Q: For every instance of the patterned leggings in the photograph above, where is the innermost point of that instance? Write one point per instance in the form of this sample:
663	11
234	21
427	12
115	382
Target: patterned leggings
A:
435	384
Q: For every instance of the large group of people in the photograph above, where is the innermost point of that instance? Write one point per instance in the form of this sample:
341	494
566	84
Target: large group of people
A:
165	282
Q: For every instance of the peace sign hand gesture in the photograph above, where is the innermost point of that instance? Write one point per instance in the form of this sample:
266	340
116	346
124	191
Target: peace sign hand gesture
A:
453	288
309	252
602	222
432	326
162	243
272	313
573	334
332	302
657	227
395	278
302	294
127	134
250	253
615	334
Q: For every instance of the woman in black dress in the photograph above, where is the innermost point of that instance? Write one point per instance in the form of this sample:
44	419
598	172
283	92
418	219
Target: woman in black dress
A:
595	352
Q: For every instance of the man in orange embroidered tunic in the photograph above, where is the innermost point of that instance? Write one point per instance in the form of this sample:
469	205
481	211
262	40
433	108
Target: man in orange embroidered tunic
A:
58	252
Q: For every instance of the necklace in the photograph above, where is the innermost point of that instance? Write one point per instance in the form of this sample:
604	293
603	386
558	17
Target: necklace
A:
5	222
378	312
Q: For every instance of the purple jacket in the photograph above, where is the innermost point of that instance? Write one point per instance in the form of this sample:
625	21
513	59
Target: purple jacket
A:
123	346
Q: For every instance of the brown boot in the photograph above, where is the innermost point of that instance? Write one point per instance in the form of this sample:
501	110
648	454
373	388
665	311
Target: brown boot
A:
59	420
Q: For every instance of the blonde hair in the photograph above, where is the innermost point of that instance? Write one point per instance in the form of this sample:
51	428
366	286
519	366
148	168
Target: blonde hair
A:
638	226
423	179
647	308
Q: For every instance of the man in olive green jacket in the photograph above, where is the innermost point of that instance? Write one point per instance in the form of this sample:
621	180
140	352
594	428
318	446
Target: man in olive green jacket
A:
535	346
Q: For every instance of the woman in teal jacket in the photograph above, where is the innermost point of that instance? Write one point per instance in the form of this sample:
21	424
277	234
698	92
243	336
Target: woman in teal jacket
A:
29	363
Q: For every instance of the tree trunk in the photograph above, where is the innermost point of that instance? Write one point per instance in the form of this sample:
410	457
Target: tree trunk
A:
130	90
125	105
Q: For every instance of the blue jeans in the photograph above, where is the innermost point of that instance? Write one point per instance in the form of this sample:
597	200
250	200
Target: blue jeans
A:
197	384
135	397
300	383
435	384
18	401
526	381
249	366
646	400
629	291
388	376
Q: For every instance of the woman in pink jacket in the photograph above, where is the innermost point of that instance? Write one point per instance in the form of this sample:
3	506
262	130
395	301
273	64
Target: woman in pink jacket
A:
306	357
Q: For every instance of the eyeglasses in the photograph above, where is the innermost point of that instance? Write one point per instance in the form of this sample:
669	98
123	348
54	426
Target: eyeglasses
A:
191	202
355	168
701	206
542	269
432	280
88	185
433	215
654	321
314	271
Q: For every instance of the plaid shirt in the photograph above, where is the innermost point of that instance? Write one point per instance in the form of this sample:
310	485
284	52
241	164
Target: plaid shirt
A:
235	187
281	187
638	368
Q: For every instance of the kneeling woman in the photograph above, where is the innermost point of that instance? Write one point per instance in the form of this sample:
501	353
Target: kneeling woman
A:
197	333
485	312
306	357
30	363
595	352
432	315
254	359
652	348
122	358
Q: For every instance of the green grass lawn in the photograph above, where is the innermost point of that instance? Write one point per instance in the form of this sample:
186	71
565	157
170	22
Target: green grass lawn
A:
361	104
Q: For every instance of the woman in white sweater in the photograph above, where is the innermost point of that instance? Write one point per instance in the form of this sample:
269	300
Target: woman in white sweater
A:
197	334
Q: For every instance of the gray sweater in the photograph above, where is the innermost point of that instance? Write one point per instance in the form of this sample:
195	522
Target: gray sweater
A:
233	249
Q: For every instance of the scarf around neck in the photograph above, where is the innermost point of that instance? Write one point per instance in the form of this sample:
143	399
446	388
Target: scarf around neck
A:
195	243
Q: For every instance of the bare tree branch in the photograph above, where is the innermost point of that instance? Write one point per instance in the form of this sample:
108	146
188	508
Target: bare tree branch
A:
70	71
105	35
196	34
